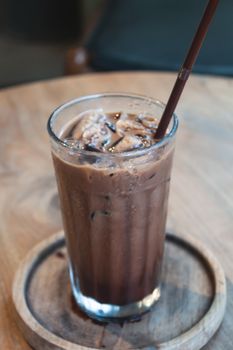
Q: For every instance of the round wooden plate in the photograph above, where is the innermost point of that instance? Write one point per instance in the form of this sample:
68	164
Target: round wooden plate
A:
189	312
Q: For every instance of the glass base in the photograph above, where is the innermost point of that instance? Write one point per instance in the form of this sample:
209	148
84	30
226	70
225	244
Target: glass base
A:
109	312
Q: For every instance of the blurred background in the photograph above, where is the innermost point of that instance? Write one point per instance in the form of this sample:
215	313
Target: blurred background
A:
35	36
42	39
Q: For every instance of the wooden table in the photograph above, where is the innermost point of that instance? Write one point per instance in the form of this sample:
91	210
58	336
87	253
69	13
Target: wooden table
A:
201	199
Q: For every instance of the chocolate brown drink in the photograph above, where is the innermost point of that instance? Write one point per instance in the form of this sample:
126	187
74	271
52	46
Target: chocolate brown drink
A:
113	182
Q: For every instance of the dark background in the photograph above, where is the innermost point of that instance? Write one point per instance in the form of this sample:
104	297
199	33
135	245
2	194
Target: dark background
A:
36	34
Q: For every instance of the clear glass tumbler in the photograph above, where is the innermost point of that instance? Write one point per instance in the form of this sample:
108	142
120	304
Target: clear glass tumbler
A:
114	208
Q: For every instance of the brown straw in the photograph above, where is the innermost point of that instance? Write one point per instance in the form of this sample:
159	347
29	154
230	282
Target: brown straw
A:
186	68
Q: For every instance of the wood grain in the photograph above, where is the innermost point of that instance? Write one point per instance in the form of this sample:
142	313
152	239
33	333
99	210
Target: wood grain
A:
201	198
190	310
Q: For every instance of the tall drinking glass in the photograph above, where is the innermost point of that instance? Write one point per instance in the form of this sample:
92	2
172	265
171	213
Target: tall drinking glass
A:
114	208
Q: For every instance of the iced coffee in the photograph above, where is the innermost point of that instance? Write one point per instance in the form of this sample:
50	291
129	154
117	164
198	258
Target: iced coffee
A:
113	180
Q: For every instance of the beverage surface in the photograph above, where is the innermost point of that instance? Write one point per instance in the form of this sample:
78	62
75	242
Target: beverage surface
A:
111	132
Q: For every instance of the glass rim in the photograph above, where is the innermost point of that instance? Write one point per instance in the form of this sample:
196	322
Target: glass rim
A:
134	152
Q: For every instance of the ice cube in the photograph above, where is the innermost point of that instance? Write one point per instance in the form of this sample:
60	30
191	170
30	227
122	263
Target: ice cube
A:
97	135
149	122
129	142
132	127
88	119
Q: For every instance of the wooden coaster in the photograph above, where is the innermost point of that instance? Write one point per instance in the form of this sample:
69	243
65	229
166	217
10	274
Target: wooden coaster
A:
189	312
